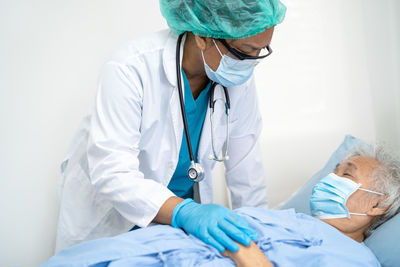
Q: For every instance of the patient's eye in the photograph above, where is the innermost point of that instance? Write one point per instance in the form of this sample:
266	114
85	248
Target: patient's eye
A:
347	174
336	168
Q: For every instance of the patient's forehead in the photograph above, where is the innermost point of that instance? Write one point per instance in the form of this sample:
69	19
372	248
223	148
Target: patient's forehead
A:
360	168
364	163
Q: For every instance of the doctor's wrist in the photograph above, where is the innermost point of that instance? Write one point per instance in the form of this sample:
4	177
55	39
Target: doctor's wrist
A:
164	215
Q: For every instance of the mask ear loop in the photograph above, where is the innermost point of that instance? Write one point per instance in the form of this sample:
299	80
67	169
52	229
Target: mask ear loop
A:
219	51
358	214
370	191
204	60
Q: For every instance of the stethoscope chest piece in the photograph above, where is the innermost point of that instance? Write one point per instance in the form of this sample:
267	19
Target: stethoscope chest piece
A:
196	172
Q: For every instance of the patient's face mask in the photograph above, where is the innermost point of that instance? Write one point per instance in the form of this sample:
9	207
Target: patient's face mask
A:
329	197
230	71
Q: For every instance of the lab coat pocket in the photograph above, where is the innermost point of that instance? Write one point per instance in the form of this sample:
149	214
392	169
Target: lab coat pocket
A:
81	209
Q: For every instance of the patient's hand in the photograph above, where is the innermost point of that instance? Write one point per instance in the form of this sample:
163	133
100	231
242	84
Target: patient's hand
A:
250	256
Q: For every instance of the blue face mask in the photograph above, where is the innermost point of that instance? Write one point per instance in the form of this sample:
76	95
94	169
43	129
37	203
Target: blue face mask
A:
329	197
230	71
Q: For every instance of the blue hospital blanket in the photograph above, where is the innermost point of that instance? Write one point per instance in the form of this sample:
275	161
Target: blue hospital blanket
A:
287	239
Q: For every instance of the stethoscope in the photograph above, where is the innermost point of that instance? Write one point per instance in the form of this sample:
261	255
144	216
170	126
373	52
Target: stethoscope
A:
196	171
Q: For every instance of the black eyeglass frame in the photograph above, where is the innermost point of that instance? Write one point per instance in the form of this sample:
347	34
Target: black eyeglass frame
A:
243	56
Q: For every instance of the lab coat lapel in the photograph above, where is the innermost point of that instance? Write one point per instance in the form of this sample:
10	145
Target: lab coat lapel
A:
169	62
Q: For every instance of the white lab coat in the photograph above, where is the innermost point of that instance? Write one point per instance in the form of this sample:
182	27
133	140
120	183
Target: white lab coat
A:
116	172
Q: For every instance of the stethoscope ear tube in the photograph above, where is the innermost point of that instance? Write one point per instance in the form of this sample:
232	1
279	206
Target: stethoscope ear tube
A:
212	102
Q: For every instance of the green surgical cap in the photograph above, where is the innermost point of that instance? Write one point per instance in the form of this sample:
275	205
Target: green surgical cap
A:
225	19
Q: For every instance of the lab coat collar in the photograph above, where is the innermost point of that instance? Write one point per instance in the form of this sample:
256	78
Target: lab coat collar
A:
169	57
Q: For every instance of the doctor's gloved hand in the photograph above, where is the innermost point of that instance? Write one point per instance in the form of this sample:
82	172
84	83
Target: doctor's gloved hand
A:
213	224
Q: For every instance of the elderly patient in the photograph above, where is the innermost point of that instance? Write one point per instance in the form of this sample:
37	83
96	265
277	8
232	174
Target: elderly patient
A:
346	206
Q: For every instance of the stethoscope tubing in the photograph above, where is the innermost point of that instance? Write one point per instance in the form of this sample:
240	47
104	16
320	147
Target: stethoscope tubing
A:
181	100
196	167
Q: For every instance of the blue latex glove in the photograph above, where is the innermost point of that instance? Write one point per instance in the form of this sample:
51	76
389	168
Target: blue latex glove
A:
213	224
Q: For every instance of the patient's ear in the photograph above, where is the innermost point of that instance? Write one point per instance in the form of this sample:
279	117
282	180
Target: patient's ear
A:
377	209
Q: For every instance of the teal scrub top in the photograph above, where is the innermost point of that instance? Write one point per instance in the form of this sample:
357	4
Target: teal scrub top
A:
196	109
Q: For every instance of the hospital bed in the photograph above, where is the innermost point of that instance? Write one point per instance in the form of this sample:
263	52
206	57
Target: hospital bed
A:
382	242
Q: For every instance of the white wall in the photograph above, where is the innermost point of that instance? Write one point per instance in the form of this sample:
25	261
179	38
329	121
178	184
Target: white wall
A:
383	44
335	70
50	55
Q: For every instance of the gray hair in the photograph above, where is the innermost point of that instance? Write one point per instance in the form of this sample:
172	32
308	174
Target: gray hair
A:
386	179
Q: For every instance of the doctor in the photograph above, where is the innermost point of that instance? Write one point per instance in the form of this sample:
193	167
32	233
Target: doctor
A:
168	106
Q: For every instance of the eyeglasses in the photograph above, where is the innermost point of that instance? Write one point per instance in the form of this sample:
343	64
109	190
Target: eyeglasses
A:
265	52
